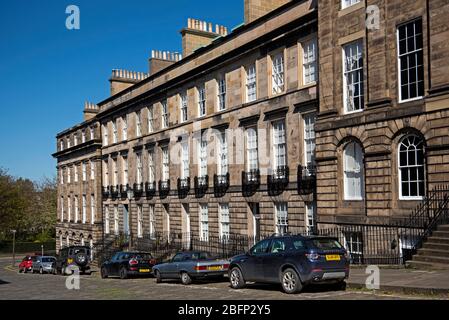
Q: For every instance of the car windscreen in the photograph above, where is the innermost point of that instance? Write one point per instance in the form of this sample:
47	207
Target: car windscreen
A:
48	259
325	244
142	256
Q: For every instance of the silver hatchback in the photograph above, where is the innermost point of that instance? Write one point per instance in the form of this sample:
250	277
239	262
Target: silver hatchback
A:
43	264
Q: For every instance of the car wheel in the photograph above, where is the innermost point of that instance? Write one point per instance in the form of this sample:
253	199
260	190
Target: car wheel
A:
291	282
340	286
104	273
20	270
236	279
185	278
157	274
25	270
41	271
123	273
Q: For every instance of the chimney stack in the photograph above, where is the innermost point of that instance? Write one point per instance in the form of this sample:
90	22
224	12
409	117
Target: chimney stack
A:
198	34
254	9
160	60
90	110
123	79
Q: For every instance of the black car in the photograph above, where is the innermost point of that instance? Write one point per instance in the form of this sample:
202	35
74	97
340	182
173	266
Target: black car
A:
292	261
74	256
126	264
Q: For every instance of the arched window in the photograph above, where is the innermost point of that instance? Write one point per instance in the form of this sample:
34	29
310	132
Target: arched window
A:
353	172
411	168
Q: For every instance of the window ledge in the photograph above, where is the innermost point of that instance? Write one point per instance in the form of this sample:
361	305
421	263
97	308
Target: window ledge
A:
347	10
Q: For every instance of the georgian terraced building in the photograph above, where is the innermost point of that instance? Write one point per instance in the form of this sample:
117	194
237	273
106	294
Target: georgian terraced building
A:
300	116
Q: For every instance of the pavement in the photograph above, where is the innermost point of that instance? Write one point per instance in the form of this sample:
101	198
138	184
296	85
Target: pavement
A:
50	287
402	280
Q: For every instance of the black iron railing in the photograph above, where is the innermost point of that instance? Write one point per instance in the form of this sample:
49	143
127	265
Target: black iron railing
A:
105	192
250	182
306	179
278	181
150	189
201	185
221	184
183	187
138	189
164	188
114	191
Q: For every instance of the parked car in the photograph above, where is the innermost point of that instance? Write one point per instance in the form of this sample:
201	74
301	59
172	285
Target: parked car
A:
43	264
126	264
79	256
188	266
292	261
27	264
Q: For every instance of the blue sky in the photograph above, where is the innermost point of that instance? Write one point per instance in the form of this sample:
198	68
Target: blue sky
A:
47	71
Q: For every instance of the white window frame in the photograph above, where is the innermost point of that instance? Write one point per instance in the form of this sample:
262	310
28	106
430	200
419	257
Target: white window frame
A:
139	168
281	210
62	208
204	222
310	59
107	220
222	161
165	114
125	128
61	175
417	142
252	149
77	210
84	209
185	161
310	215
93	209
114	131
152	220
353	165
184	107
92	133
151	168
84	170
202	158
76	174
150	113
114	172
83	136
69	209
251	83
104	130
222	88
69	174
355	50
139	123
125	170
202	101
69	142
75	139
165	164
225	222
92	170
406	55
279	143
116	220
139	221
309	121
106	172
278	73
348	3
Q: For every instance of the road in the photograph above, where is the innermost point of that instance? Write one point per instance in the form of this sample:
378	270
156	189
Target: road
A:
49	287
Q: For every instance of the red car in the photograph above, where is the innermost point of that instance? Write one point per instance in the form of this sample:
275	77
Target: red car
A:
27	264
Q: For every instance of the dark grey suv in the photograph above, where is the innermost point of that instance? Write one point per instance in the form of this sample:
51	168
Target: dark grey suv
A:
78	256
292	261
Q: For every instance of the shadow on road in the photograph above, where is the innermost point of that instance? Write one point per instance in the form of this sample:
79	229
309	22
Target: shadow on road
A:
3	282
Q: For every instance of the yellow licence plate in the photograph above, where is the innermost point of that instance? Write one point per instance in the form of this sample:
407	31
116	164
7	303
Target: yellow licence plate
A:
215	268
145	270
333	257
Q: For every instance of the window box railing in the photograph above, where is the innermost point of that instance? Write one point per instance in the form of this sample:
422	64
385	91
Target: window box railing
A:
105	192
138	189
250	182
183	187
278	180
124	190
201	186
164	188
114	191
150	189
306	179
221	184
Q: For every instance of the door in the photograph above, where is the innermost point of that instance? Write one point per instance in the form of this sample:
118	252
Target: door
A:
186	226
252	266
126	220
113	265
256	221
171	270
275	258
